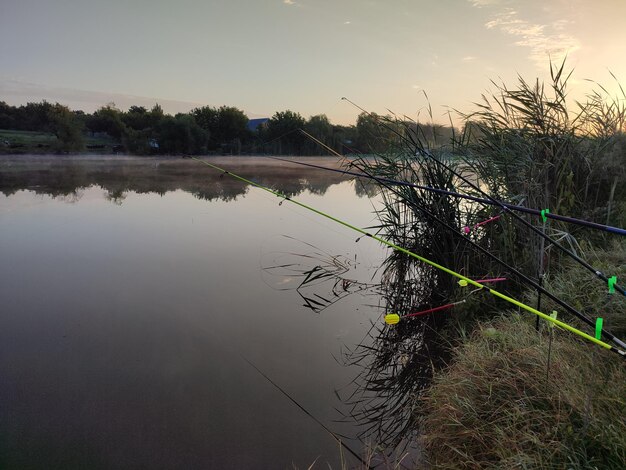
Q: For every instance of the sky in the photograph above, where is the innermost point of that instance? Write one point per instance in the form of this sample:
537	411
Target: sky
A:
265	56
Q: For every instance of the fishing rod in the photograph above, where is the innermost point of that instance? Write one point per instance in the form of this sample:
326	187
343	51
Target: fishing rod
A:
527	210
400	249
611	282
393	318
539	287
467	229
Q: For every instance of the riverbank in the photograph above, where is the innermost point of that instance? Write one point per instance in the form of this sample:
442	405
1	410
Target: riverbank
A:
14	142
512	398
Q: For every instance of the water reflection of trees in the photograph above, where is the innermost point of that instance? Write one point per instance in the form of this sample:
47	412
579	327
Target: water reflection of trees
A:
366	188
65	176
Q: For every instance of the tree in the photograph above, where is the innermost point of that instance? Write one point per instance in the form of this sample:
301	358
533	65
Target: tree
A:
67	127
206	117
344	138
138	118
107	119
319	127
227	126
431	135
283	132
34	117
137	142
375	133
232	126
155	115
181	134
7	116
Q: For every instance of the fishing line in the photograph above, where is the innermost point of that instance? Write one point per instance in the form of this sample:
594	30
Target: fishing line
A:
304	215
420	150
484	251
229	348
326	225
280	389
422	259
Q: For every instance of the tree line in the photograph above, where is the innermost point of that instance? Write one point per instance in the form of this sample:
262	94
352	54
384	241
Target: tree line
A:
204	130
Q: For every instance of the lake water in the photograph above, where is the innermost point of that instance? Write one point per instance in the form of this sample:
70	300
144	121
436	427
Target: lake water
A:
135	293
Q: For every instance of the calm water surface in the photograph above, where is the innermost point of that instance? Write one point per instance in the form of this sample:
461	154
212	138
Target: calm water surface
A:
134	291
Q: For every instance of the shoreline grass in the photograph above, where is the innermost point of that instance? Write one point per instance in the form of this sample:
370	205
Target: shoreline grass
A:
499	405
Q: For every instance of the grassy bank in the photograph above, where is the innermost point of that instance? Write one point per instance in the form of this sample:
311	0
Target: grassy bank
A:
28	142
500	405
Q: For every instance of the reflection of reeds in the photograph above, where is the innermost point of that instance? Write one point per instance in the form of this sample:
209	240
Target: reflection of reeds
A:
397	361
318	277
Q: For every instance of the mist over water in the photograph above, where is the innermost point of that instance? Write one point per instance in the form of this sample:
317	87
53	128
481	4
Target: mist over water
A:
133	291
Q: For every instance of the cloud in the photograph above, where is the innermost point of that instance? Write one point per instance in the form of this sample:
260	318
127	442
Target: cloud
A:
560	25
289	2
347	22
19	92
468	58
544	40
483	3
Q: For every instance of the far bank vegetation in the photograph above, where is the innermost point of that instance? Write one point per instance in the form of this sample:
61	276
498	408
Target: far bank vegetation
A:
226	130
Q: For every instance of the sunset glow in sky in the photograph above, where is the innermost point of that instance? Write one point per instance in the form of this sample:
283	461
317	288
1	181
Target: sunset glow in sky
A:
265	56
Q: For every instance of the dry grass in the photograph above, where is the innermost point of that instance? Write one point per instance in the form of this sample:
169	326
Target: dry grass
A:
584	291
495	407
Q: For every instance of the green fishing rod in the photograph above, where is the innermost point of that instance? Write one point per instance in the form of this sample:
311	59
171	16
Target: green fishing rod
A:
400	249
421	151
581	316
